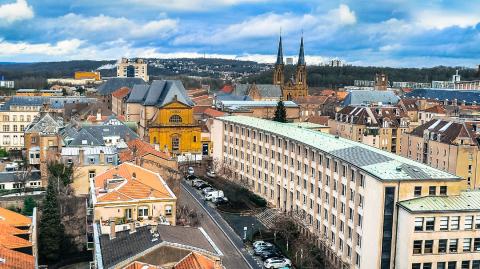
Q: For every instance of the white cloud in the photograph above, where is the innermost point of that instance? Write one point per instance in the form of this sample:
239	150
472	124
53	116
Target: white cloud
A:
64	47
17	11
191	5
436	19
110	28
343	15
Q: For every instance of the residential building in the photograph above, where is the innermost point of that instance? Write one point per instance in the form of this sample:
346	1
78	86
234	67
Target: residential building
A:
129	193
381	82
259	109
455	223
448	145
132	68
7	83
380	127
165	116
434	112
154	247
370	97
311	105
343	193
19	180
119	98
105	90
18	240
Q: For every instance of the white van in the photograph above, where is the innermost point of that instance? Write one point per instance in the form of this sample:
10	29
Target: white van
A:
214	194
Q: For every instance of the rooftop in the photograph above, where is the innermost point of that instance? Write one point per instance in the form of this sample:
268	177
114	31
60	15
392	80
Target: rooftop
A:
141	148
378	163
361	97
15	260
114	84
129	182
160	93
466	201
13	218
256	103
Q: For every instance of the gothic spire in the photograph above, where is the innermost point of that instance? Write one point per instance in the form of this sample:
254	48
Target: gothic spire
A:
301	55
280	52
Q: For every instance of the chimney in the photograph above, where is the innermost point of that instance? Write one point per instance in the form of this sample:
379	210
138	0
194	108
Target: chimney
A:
99	114
81	159
132	227
217	264
113	234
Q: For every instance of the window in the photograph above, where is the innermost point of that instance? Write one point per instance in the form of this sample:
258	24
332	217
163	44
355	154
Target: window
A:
168	210
428	248
194	138
417	247
443	223
175	143
91	160
175	119
427	265
465	265
443	190
476	244
417	191
432	190
6	128
128	213
15	128
418	224
441	265
143	211
416	266
477	222
429	224
452	265
442	246
91	174
453	246
468	222
454	223
467	244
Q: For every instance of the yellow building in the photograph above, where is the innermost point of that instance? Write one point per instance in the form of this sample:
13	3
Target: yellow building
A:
87	75
165	116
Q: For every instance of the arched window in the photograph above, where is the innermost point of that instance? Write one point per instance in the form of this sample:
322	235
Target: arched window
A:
175	119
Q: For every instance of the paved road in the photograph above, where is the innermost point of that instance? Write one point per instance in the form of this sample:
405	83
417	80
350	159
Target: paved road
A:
231	245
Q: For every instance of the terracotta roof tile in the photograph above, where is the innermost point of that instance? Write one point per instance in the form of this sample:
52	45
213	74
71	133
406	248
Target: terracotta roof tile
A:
15	260
436	109
213	113
141	148
195	261
323	120
199	109
122	92
13	218
141	265
144	185
9	229
13	242
319	100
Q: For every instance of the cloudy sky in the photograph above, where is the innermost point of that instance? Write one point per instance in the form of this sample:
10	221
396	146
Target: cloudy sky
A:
361	32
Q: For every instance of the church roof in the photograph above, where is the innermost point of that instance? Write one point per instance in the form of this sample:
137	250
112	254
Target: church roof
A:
280	52
301	54
160	93
114	84
265	90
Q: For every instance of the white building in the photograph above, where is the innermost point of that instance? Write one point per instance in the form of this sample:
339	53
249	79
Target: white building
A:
134	68
343	192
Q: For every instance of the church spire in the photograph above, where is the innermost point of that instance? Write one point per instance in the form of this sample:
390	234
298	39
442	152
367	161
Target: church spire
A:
280	52
301	54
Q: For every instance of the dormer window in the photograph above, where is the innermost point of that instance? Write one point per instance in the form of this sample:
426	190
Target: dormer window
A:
175	119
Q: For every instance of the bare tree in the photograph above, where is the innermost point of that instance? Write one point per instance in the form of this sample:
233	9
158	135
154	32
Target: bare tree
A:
22	176
287	228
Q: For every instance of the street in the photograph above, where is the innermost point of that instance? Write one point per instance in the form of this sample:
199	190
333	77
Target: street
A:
230	244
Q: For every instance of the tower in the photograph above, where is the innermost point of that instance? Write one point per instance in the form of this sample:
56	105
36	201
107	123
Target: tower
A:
278	75
301	72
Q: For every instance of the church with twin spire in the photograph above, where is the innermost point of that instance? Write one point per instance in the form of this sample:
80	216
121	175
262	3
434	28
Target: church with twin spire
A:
297	85
281	88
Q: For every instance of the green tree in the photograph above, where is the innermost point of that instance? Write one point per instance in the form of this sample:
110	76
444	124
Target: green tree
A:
52	231
3	153
280	113
61	173
28	205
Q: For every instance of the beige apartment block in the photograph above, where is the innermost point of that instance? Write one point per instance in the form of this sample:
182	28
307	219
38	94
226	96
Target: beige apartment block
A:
342	192
135	68
447	145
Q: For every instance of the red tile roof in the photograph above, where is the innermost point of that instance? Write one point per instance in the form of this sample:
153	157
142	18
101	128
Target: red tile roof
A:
195	261
323	120
213	113
141	149
15	260
13	242
438	109
13	218
122	92
139	183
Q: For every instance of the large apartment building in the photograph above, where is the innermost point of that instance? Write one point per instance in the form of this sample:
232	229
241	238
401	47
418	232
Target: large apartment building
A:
132	68
347	194
379	126
448	145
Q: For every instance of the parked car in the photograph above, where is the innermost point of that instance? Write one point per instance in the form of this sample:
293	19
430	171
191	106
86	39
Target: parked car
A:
277	263
191	177
270	254
211	174
220	200
260	250
197	182
190	170
203	186
214	194
207	190
257	244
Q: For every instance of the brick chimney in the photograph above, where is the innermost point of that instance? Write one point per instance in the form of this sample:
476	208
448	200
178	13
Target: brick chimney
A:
113	234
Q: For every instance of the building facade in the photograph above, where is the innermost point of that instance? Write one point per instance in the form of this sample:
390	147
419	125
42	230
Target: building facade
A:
446	145
343	192
132	68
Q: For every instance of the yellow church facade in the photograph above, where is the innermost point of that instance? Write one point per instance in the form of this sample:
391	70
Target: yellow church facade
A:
175	129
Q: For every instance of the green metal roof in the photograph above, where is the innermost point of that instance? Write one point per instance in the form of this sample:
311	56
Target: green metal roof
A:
378	163
466	201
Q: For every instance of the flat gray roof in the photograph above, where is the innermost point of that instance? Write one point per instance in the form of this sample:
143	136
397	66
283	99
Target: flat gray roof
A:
376	162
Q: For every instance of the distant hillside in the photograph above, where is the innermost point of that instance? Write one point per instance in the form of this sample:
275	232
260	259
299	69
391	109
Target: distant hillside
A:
335	77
